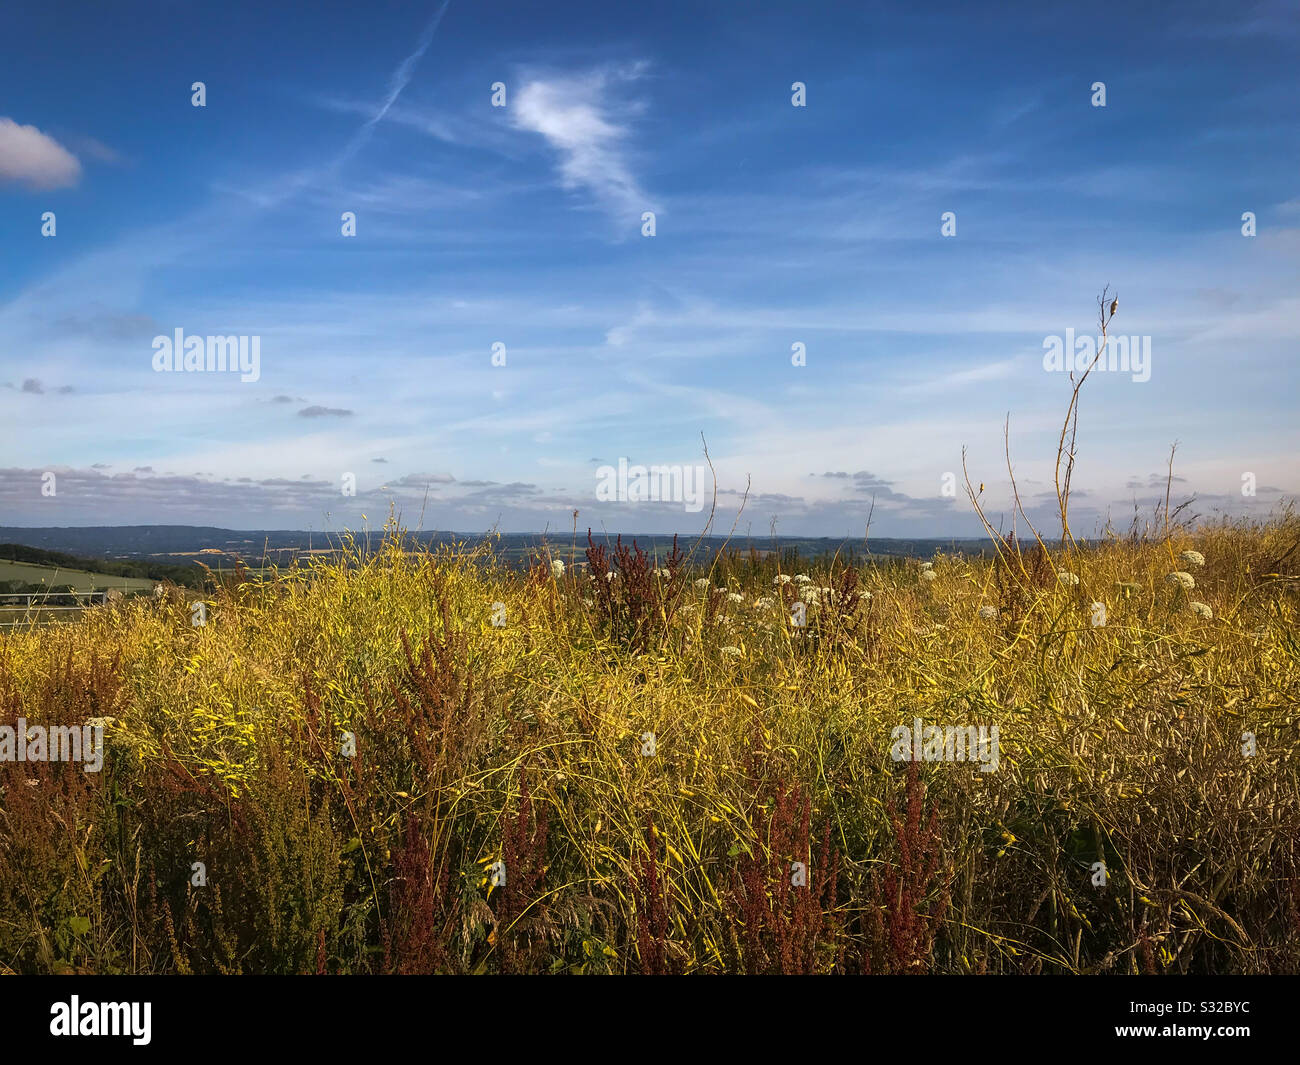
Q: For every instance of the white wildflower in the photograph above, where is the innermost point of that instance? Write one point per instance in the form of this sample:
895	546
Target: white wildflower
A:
929	575
780	579
735	597
1064	576
734	652
1203	611
702	583
557	569
765	603
988	613
1192	559
802	578
1183	580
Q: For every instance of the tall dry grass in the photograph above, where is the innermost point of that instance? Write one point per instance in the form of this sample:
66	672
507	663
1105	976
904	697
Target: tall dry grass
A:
522	743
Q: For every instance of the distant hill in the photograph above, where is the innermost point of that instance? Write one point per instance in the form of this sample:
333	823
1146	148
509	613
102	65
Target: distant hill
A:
182	545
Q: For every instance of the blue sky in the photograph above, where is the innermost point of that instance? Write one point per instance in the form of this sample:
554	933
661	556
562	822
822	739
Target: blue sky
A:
521	225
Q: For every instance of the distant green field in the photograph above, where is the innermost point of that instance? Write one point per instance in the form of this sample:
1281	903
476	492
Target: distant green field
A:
61	580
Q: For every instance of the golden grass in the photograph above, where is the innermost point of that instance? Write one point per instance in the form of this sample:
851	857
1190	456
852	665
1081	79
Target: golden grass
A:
1120	744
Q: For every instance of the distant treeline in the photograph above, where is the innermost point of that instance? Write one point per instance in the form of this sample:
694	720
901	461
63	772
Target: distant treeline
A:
190	576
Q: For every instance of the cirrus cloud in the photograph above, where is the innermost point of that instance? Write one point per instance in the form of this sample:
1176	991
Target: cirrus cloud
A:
579	119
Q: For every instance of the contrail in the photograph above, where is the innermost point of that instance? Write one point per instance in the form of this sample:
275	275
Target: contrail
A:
400	79
402	76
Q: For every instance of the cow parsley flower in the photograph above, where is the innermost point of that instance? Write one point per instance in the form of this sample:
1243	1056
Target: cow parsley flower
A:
1066	577
988	613
929	575
780	579
735	597
702	583
1183	580
734	652
557	569
1192	559
1203	611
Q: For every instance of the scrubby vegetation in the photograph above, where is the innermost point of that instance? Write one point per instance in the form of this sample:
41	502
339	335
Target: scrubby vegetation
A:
649	752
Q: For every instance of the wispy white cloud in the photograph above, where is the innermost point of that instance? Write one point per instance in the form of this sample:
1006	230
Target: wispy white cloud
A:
34	158
400	79
582	119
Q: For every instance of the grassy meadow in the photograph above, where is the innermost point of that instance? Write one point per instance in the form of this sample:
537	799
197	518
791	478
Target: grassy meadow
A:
650	751
58	579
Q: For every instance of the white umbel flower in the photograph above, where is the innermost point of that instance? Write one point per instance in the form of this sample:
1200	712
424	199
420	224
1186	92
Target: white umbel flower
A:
764	603
557	569
733	652
802	578
701	583
929	575
988	613
1192	559
1201	610
1066	577
780	579
1184	581
735	597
